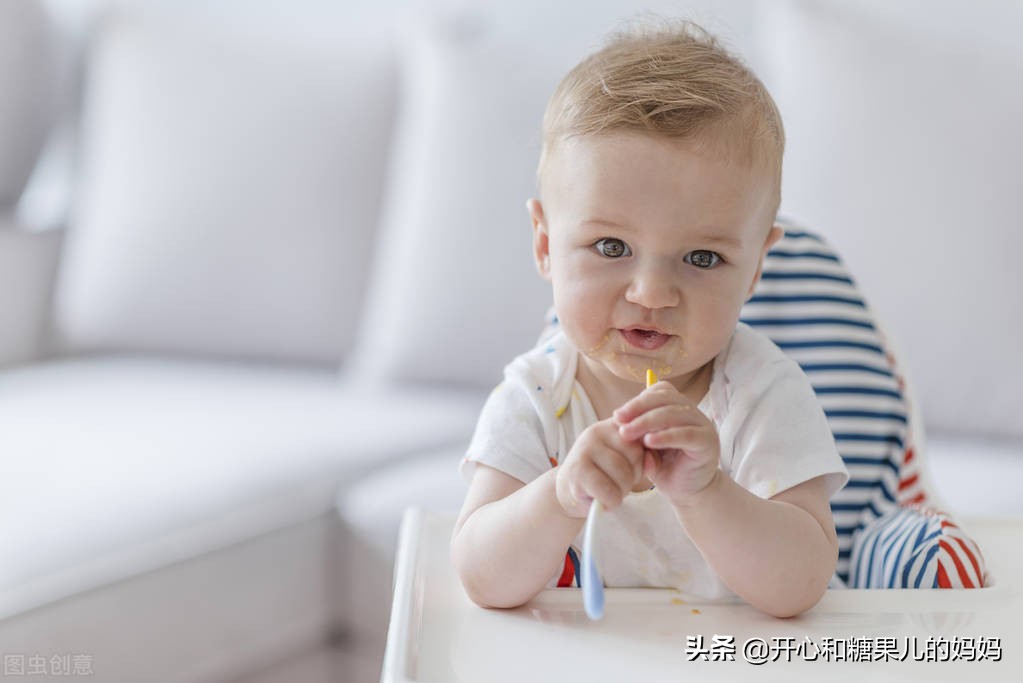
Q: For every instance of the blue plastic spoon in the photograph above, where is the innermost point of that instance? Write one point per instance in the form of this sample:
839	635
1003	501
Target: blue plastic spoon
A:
593	582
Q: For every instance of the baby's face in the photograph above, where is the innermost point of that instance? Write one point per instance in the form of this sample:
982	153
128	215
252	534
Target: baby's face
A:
651	248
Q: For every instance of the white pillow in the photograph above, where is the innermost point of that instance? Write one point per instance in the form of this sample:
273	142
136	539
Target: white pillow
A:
455	293
28	261
229	190
904	147
27	84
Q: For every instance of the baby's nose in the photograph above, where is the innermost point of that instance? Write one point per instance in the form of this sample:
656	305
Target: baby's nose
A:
653	287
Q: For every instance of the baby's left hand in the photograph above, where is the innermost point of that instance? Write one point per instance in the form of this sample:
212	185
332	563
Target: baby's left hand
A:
683	449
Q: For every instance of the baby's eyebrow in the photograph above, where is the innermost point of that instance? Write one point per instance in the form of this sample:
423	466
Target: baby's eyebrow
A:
602	223
716	239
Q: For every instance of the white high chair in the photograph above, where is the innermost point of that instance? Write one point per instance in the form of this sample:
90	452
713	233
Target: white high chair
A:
893	537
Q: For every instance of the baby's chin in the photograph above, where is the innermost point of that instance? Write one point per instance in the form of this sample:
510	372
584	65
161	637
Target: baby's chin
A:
631	368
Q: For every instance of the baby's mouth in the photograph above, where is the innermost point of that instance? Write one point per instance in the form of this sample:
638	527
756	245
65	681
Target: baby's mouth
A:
648	340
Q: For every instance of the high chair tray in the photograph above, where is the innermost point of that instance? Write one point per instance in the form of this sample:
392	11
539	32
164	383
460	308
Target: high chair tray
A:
437	635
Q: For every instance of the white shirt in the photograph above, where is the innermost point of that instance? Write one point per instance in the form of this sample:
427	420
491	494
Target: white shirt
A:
773	432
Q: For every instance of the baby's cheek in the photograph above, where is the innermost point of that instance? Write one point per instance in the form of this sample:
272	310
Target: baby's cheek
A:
578	320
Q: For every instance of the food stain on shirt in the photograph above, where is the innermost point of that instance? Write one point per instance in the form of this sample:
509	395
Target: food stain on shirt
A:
682	579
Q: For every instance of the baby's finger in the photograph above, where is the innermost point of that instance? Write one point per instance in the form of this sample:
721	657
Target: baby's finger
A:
595	484
631	451
651	464
694	440
660	418
620	468
661	393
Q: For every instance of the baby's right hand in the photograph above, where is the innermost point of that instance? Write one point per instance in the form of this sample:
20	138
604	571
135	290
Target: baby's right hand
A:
600	466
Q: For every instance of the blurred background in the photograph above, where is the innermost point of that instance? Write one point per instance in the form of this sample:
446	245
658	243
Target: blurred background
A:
928	104
260	262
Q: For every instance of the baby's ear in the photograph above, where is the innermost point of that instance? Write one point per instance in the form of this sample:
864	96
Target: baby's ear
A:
541	245
773	236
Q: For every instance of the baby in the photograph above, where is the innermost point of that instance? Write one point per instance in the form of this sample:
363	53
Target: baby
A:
660	181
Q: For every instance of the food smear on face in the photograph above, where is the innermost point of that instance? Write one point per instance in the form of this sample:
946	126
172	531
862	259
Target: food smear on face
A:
598	347
607	354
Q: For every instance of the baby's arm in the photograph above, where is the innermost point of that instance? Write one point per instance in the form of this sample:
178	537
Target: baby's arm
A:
511	538
777	554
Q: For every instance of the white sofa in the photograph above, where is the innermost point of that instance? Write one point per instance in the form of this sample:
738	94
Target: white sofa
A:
295	259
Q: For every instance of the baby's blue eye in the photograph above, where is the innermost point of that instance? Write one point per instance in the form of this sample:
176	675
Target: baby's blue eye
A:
612	247
701	258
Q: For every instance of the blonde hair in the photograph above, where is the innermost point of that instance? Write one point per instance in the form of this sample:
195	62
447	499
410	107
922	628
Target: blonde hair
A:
670	78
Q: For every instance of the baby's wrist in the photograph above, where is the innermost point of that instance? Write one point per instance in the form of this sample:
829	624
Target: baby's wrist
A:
564	503
694	498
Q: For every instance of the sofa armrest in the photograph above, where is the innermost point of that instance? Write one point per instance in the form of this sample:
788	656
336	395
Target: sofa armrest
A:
915	547
28	267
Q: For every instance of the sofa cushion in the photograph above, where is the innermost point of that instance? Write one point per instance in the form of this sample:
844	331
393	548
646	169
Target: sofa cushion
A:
455	294
116	465
28	83
28	263
229	191
903	149
371	513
